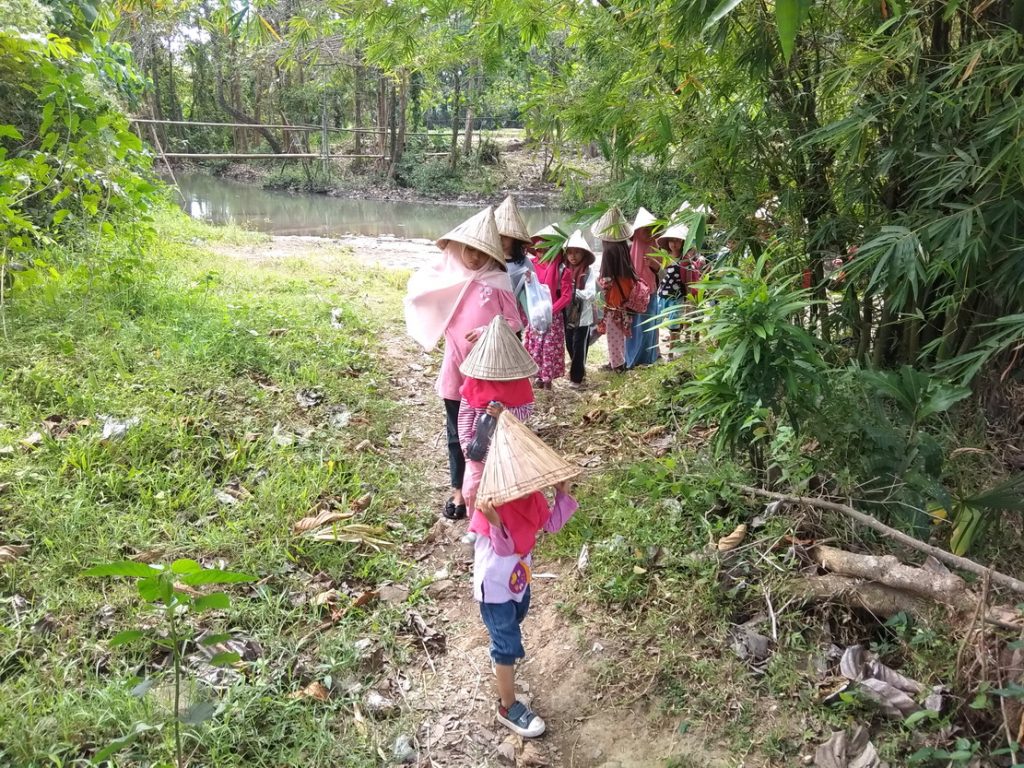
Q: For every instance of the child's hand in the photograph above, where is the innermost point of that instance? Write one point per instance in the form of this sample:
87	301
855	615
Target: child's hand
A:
495	409
564	487
603	283
473	336
488	511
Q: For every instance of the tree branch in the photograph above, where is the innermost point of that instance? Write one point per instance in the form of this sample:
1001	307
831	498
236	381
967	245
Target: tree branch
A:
866	520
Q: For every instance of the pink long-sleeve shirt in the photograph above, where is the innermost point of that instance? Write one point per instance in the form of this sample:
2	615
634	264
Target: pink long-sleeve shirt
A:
558	278
479	305
499	574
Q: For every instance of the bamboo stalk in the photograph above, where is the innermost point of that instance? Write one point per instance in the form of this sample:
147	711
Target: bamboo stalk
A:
866	520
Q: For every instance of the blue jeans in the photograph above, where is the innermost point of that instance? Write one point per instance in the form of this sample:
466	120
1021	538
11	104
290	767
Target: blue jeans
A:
502	621
642	345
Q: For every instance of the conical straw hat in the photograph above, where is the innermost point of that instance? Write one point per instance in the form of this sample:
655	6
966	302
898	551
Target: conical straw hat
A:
644	218
577	240
677	232
548	231
478	232
519	463
510	221
612	227
498	355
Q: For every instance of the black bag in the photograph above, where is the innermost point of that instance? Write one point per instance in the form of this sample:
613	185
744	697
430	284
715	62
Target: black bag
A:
573	311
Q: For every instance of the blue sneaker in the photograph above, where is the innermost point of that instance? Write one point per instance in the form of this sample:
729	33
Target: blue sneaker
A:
520	719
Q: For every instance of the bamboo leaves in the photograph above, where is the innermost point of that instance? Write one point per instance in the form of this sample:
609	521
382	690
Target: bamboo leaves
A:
789	16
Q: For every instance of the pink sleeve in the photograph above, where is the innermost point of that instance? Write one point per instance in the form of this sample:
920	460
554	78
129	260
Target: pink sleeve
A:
510	310
467	423
563	509
565	292
501	541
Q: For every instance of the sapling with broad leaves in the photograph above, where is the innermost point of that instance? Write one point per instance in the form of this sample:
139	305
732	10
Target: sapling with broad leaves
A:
170	591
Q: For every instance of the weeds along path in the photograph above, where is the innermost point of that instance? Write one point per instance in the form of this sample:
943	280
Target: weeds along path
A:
451	696
447	690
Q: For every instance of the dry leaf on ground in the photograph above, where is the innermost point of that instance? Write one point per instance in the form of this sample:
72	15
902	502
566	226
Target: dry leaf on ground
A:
532	757
734	539
362	502
318	521
354	533
654	432
11	552
314	690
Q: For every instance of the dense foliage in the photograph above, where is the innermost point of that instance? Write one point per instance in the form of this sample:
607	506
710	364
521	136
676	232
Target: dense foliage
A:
69	165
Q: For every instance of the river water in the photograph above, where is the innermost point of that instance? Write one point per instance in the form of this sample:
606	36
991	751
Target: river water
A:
222	201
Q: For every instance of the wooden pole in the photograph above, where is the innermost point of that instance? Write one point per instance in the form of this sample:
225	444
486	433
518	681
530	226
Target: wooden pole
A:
866	520
258	156
263	125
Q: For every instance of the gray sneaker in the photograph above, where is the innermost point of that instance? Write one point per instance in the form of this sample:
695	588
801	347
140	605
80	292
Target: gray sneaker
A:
520	719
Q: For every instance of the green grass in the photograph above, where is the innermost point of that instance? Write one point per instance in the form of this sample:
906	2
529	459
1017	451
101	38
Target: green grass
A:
652	579
180	339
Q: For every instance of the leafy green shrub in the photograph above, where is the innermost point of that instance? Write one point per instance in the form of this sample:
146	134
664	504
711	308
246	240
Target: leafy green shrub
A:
169	592
68	161
432	176
488	153
765	369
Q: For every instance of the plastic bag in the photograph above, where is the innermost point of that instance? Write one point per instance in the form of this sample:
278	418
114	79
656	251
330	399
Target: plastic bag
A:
538	305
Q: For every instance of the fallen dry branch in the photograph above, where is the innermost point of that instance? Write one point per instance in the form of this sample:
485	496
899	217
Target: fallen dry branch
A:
932	580
941	555
878	599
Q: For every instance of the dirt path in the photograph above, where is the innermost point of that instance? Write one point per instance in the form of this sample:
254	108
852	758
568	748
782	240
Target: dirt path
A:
450	697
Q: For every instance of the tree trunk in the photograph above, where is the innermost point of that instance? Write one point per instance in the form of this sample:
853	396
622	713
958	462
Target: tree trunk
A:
880	352
382	122
239	116
866	321
399	146
357	109
241	137
175	103
156	100
454	156
472	91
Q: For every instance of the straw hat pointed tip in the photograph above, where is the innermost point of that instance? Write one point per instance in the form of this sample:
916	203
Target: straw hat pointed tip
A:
478	231
510	222
612	226
498	355
644	218
520	463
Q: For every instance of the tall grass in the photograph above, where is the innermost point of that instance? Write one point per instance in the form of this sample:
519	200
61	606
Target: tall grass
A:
207	353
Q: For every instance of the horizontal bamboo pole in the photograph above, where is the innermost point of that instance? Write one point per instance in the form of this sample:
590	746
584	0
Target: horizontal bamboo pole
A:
304	128
866	520
268	156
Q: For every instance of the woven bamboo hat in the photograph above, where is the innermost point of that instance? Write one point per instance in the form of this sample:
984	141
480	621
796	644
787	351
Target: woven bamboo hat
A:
644	218
548	231
612	227
577	240
675	232
498	355
510	221
519	463
478	232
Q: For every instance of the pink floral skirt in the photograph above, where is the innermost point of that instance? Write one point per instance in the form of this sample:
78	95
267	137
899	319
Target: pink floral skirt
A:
548	349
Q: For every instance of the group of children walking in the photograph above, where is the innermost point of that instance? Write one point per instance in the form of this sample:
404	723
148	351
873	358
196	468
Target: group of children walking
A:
480	296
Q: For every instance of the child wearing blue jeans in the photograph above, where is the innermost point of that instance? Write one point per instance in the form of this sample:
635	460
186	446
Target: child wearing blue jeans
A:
507	534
